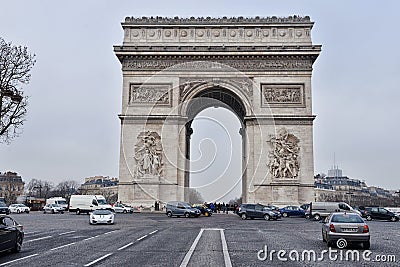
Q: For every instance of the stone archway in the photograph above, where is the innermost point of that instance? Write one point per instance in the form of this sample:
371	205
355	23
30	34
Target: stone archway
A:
258	67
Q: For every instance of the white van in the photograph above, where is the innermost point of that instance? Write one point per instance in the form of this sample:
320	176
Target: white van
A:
87	203
58	200
323	209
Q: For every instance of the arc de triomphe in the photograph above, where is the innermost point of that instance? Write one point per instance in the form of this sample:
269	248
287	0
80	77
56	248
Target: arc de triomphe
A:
260	68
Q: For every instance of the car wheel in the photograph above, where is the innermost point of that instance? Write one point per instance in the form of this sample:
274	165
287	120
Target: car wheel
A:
187	215
369	217
244	216
18	211
27	211
52	211
124	211
366	245
62	212
78	212
169	214
393	219
317	217
285	214
18	243
44	211
7	212
266	217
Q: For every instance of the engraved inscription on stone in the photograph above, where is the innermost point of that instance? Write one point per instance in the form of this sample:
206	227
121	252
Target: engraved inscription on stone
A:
159	94
148	155
284	156
282	95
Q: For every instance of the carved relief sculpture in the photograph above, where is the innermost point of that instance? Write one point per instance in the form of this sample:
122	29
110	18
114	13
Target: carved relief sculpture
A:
144	94
284	157
148	155
282	95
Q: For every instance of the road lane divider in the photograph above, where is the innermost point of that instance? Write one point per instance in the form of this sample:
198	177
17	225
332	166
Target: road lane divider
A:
66	233
124	247
225	252
37	239
99	259
155	231
140	238
63	246
19	259
191	249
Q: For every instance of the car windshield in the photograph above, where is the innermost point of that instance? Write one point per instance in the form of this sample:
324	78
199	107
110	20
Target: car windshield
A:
102	201
56	205
346	218
62	202
101	212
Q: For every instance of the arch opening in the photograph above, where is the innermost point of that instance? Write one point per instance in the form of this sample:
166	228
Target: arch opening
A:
215	146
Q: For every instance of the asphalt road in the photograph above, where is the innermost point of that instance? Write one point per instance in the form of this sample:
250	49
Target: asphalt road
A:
153	239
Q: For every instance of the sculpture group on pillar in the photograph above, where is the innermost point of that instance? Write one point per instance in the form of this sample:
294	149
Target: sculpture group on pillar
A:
284	156
148	154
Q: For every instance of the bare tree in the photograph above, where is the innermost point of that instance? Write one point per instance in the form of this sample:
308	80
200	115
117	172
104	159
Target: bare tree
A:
15	66
39	188
67	188
195	196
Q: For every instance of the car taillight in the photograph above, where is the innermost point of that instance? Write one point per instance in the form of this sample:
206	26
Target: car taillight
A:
366	229
332	228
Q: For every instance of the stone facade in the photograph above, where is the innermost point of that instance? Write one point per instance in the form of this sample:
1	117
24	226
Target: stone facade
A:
260	68
11	186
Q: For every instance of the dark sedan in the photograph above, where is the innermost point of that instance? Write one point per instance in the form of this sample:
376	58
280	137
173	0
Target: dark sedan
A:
4	209
289	211
11	234
203	209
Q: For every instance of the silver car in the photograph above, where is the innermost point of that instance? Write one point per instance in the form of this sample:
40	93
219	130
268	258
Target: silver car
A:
53	208
341	228
118	207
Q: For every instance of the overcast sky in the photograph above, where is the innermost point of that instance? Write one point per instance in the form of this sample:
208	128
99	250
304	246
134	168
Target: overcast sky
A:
72	129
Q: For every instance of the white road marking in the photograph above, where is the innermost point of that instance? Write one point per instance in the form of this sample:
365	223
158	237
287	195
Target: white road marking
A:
70	232
23	258
227	259
140	238
36	239
99	259
63	246
124	247
225	251
191	250
110	232
90	237
155	231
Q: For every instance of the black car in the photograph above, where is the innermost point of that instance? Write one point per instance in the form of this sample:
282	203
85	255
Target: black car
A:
257	211
204	210
11	234
4	209
379	213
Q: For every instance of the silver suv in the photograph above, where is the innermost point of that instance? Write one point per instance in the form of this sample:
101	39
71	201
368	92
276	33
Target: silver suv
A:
178	208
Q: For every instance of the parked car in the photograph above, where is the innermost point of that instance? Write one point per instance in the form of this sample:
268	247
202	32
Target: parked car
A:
379	213
348	226
305	206
177	208
206	211
257	211
290	211
101	216
318	210
119	207
11	234
4	209
53	208
19	208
